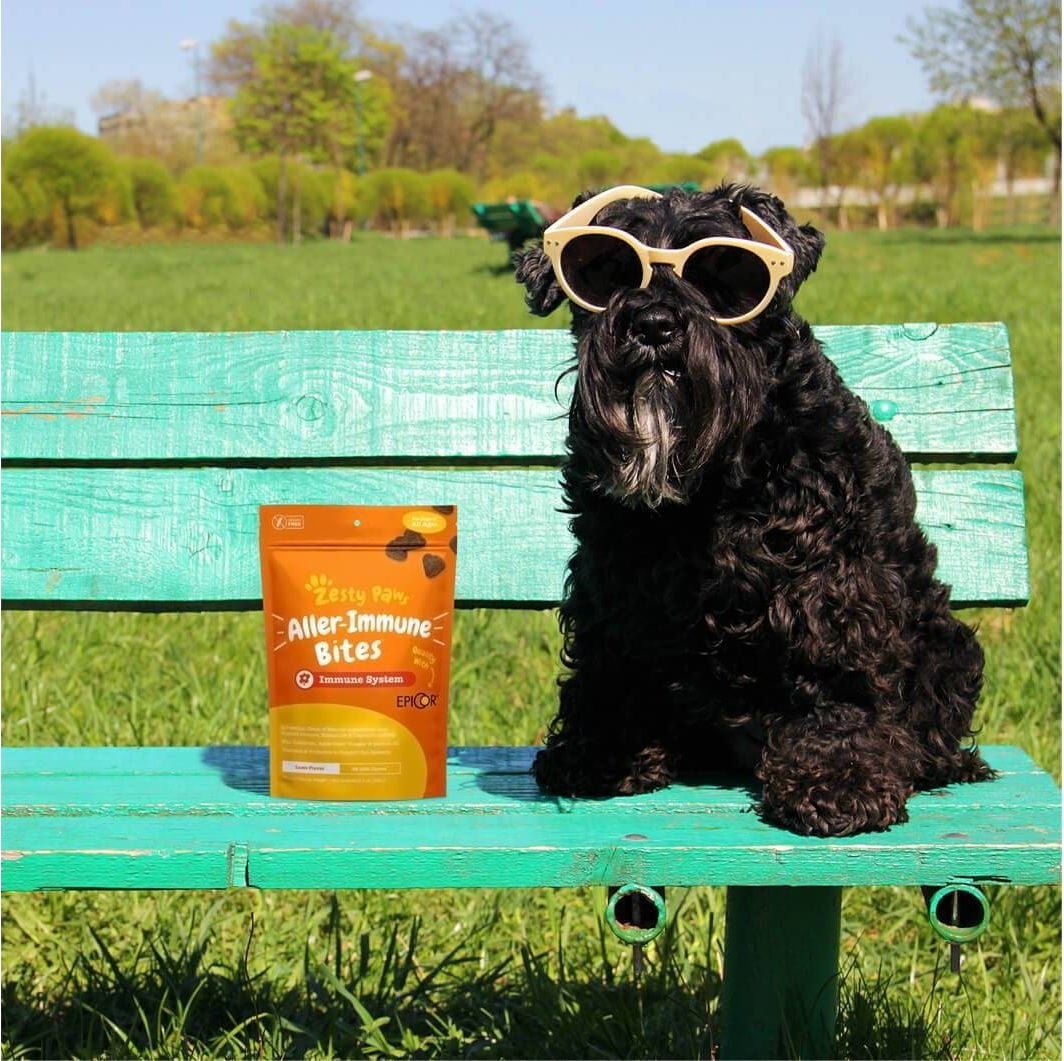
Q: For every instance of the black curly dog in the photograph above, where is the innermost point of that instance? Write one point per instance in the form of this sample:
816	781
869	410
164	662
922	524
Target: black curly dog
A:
749	589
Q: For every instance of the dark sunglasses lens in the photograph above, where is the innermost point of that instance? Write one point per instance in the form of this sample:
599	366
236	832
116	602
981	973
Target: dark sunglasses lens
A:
595	266
733	280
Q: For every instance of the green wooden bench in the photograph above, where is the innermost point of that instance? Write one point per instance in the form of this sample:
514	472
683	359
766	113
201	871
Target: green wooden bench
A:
515	221
134	465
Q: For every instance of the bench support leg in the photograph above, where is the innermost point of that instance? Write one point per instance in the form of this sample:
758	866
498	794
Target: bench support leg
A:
781	955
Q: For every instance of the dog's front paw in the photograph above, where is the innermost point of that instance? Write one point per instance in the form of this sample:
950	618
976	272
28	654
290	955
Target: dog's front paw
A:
563	768
842	808
557	772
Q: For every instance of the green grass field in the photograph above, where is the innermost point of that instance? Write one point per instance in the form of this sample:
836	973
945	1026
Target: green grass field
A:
507	973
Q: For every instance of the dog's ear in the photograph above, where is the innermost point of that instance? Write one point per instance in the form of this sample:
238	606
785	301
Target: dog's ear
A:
806	241
533	269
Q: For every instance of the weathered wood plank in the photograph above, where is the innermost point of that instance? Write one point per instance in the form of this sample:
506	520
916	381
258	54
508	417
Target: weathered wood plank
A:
964	832
190	534
936	388
944	391
168	782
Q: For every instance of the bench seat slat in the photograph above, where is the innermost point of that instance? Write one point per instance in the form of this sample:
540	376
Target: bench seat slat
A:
224	780
188	536
518	852
944	391
486	835
245	766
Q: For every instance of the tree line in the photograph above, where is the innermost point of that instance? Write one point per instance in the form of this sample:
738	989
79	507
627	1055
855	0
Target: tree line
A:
315	123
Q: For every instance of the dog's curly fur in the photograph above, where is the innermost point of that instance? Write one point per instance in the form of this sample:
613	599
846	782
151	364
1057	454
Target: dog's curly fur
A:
750	589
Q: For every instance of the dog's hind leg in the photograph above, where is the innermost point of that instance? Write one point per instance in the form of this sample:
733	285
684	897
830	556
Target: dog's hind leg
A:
944	689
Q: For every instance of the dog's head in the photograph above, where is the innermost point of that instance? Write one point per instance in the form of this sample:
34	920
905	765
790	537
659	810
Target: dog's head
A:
673	356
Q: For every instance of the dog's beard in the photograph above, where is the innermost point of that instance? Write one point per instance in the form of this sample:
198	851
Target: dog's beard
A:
649	468
656	419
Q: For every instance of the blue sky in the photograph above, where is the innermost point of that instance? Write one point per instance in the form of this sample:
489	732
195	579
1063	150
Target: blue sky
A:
682	72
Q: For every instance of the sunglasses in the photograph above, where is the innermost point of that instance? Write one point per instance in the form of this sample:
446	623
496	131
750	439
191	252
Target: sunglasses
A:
738	277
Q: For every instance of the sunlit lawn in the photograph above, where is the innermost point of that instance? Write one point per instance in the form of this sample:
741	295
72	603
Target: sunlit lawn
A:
514	974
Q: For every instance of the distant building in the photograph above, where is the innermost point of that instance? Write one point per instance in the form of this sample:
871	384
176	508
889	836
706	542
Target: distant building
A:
160	126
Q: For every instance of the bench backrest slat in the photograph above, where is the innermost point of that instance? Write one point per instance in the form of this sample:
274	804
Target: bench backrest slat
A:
945	392
188	536
134	464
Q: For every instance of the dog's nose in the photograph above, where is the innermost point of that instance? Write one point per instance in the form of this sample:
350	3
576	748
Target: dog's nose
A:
655	325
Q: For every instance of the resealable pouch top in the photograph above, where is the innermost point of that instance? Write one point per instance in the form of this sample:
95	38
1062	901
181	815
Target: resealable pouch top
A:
358	603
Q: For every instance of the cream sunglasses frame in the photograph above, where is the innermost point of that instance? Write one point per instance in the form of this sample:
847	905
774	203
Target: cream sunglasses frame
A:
766	244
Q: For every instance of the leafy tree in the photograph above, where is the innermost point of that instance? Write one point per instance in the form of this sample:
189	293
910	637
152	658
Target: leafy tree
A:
788	169
986	132
299	101
232	59
74	172
826	84
885	162
848	153
599	168
1022	150
308	192
679	169
567	132
499	82
642	162
457	88
728	160
14	215
1006	50
358	133
944	156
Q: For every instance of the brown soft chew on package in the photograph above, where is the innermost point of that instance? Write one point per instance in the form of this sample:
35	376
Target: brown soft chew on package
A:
358	602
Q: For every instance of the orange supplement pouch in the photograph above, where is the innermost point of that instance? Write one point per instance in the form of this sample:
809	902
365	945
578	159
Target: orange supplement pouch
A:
358	603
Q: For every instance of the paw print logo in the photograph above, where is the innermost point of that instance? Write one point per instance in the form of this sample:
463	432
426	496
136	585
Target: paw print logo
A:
317	582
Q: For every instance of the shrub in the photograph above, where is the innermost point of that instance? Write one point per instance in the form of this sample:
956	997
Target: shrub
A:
155	198
314	189
207	198
248	203
116	203
599	169
397	198
76	174
215	197
449	195
13	215
522	185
